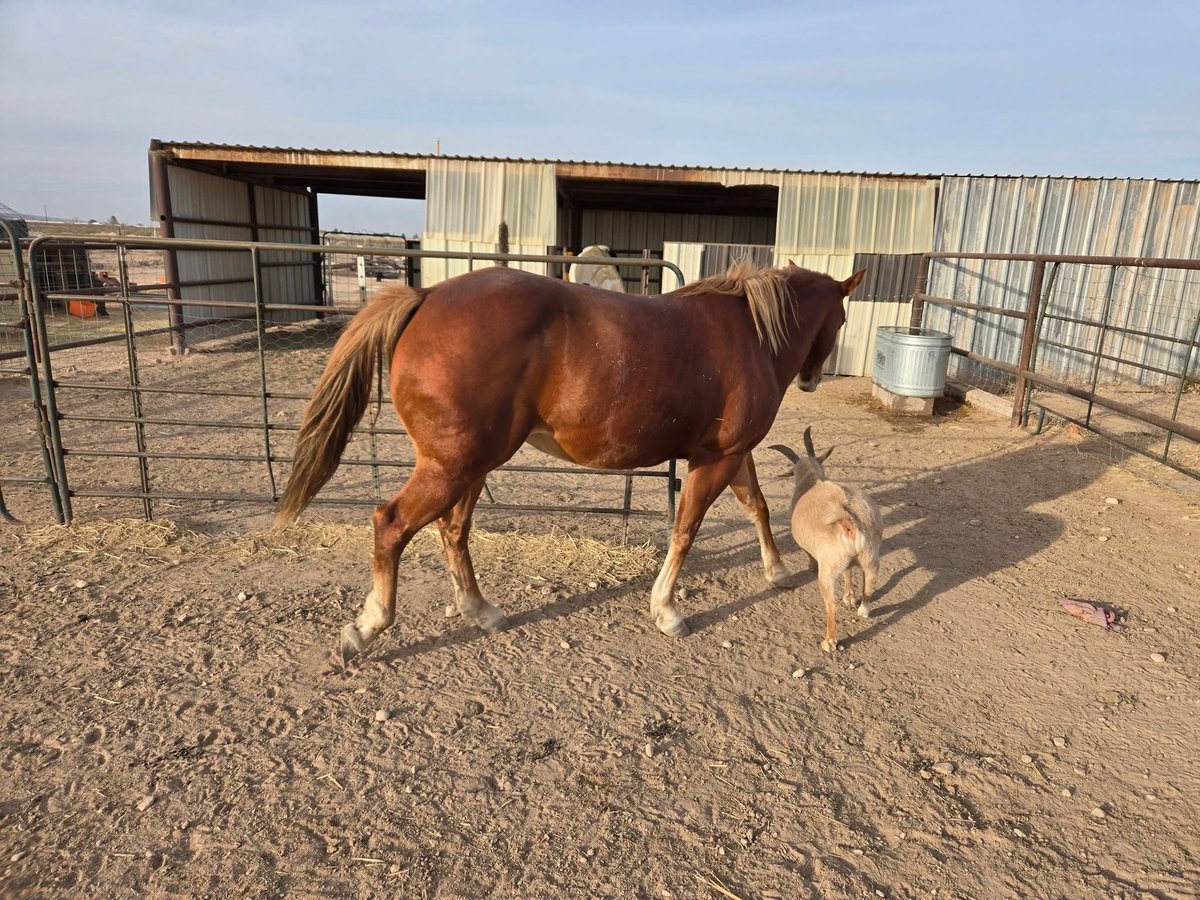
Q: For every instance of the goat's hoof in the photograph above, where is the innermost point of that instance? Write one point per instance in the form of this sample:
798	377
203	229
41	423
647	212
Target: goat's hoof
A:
671	623
352	644
452	610
829	645
864	610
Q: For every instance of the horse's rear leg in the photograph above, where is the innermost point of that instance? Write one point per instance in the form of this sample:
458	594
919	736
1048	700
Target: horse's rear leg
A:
745	488
704	484
455	527
428	495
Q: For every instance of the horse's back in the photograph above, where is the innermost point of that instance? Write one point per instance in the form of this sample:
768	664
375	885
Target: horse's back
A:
611	380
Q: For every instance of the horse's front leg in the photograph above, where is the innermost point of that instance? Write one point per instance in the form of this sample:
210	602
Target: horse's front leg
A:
745	488
704	484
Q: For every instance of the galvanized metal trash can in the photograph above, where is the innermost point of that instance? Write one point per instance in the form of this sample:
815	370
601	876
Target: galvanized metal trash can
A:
911	362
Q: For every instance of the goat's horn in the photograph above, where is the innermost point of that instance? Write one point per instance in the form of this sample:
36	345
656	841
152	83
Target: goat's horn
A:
808	444
786	451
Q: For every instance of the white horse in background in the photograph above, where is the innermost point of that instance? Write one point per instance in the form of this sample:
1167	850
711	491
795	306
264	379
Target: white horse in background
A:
601	276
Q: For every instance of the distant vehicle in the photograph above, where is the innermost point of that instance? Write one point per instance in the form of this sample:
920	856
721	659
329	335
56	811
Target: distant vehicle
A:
381	267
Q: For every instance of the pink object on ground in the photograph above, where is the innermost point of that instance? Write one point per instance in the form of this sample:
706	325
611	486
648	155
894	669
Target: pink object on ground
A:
1089	612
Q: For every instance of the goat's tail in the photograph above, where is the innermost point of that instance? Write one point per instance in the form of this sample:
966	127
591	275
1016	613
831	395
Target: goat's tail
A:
862	524
341	396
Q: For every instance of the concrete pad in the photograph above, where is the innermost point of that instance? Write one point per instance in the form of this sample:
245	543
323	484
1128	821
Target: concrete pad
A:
905	406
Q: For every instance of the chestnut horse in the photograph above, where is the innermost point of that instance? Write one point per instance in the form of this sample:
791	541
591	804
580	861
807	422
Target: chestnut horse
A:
487	361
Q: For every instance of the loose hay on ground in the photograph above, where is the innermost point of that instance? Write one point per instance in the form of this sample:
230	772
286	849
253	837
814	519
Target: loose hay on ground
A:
509	559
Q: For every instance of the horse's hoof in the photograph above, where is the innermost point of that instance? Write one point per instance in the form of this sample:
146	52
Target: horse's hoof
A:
864	610
779	577
492	620
673	624
352	644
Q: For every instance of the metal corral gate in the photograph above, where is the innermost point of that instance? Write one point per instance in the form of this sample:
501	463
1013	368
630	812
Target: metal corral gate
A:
1111	344
217	406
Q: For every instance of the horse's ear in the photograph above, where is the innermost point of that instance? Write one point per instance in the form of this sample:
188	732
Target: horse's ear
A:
852	282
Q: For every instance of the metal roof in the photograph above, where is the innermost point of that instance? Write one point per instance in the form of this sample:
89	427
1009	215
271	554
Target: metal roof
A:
156	144
171	146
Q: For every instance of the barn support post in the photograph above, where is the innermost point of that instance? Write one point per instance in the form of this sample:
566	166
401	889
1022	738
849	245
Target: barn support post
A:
1031	319
166	229
317	258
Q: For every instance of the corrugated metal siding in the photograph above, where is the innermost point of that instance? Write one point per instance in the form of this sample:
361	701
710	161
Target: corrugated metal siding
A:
1110	217
198	195
634	231
296	281
843	214
465	202
856	341
685	255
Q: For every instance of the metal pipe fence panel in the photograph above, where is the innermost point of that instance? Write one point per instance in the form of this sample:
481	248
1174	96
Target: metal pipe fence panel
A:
177	404
1110	344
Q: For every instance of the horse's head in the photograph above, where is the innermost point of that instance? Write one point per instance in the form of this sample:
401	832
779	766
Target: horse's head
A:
819	300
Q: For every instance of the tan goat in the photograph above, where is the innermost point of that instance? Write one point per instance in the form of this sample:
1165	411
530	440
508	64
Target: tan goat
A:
838	526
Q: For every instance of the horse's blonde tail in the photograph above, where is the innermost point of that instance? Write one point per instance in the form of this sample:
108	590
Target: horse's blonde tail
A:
342	394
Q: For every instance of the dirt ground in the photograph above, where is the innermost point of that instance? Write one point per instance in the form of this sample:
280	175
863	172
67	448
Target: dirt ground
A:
171	724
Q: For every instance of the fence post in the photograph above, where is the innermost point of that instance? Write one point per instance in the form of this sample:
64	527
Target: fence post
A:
260	329
918	305
135	384
25	301
1037	336
1183	380
1031	320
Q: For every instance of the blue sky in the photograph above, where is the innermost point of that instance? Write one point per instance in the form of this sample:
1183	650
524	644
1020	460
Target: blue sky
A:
1089	89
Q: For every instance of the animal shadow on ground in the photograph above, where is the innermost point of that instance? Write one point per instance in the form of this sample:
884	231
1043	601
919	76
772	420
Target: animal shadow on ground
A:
977	519
996	493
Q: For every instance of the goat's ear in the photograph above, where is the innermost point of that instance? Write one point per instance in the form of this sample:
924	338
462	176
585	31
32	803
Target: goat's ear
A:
824	456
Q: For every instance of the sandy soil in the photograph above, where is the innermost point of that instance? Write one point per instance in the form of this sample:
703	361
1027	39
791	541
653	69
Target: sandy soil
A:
171	724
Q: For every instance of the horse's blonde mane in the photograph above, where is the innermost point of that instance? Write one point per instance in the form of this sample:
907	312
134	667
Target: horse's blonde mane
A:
766	292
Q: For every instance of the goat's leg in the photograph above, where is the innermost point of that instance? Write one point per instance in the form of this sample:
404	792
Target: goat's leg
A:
827	581
745	487
869	563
